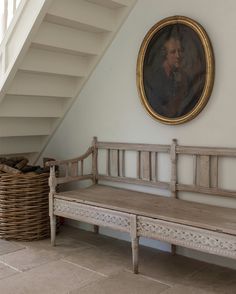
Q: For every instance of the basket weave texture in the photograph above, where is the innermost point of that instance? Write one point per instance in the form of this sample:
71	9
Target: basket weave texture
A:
24	206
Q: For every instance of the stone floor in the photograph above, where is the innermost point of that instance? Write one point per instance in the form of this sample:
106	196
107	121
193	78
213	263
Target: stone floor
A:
85	263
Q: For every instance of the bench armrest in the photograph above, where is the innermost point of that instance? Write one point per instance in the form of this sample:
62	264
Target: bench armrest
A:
71	168
69	161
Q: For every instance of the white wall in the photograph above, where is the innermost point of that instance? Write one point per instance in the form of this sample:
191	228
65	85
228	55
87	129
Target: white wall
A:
109	106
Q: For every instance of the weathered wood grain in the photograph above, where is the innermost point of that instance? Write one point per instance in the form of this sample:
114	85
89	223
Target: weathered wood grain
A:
203	171
154	176
145	165
133	147
114	163
214	172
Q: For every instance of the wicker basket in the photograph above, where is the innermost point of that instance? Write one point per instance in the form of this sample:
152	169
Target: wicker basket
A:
24	206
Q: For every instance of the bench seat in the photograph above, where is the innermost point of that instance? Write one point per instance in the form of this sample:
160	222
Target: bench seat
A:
164	208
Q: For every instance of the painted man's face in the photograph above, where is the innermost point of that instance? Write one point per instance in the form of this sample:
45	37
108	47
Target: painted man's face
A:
173	53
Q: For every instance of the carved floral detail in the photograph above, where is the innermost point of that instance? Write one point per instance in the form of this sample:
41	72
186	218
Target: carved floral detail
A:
92	214
204	240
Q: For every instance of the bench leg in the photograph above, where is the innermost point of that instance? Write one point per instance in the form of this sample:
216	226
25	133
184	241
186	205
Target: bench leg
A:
53	223
173	249
135	245
96	229
134	242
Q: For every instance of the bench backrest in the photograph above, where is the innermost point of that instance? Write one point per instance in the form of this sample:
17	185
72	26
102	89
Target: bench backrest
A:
146	163
206	170
205	167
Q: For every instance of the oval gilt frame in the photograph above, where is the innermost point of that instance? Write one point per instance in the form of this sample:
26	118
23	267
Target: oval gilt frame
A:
182	96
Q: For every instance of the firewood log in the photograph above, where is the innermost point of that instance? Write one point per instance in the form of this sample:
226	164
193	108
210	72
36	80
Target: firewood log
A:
22	163
7	169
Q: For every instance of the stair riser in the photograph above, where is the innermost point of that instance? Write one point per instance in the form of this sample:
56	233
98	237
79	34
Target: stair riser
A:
69	39
43	85
45	61
100	18
13	127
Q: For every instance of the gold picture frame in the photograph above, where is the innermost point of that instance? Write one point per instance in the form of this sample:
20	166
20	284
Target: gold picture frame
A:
175	70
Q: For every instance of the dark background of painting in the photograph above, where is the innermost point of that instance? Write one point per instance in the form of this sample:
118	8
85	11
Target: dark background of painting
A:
194	62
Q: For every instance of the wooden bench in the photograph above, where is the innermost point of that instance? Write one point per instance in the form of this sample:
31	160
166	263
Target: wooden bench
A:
193	225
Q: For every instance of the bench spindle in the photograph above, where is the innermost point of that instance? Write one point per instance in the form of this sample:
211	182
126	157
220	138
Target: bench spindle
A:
139	165
82	167
74	169
214	171
108	162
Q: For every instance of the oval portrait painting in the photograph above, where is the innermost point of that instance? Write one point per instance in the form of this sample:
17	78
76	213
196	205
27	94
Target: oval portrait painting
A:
175	70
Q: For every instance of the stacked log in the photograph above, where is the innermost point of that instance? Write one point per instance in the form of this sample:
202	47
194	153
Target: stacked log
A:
18	165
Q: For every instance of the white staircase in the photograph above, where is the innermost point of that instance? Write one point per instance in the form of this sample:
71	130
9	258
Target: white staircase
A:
46	58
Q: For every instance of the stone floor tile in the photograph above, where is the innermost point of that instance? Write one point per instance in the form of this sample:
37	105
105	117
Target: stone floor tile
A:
83	262
40	252
92	238
28	258
101	260
180	289
123	283
64	245
214	279
6	271
7	246
113	255
165	267
56	277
